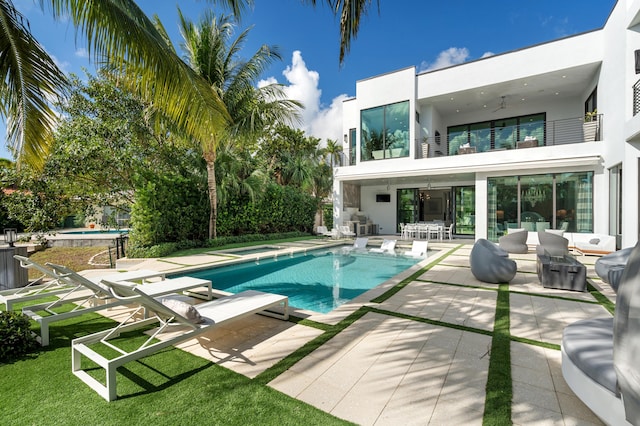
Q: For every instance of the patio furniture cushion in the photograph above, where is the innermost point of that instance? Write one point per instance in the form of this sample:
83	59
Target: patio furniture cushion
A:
606	262
490	263
514	242
552	244
589	345
183	308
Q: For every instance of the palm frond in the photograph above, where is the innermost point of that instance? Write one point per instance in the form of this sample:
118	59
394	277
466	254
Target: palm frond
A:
119	32
31	80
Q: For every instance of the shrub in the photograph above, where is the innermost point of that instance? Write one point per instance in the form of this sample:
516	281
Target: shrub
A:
16	339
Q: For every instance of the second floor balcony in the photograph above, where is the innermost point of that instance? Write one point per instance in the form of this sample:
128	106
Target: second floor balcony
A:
499	138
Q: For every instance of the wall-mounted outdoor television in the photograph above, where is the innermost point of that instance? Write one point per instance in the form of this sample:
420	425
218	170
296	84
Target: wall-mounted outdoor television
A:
383	198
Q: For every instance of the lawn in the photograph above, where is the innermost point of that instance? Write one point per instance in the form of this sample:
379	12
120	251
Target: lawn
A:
171	387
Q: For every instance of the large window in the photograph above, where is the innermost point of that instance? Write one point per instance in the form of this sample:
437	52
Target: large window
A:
352	147
496	134
385	132
538	202
465	202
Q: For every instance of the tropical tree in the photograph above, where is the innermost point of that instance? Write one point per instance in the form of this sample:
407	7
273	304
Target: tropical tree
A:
213	56
333	150
30	79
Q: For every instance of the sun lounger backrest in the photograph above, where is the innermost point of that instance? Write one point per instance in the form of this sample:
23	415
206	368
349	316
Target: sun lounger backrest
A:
419	247
122	290
25	262
626	337
74	278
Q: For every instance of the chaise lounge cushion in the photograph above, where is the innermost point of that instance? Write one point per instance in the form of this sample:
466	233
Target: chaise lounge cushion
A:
490	263
514	242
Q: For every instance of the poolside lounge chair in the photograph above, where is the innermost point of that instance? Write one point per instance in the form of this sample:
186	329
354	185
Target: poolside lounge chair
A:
346	232
36	289
360	244
418	249
193	320
387	247
89	296
322	230
61	288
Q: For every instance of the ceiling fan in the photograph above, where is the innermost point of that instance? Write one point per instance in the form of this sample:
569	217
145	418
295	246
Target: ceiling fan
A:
503	104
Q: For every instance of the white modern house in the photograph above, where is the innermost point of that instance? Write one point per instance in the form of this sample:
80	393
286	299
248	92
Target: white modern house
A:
546	136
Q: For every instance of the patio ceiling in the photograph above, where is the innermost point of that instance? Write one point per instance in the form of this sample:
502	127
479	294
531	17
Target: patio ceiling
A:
568	82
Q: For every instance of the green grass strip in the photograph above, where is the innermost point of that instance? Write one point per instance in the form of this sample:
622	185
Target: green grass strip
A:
601	298
402	284
499	391
552	296
428	321
538	343
290	360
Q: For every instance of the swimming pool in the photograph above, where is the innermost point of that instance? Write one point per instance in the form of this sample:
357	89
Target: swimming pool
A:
253	250
106	231
319	280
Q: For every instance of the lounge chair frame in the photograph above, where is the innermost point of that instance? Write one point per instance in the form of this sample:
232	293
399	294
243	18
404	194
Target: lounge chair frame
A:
214	313
35	289
91	297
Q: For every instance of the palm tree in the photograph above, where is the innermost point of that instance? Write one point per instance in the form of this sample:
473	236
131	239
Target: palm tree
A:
119	34
213	56
333	150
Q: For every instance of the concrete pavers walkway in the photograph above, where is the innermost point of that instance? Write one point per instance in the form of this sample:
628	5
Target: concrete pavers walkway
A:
422	355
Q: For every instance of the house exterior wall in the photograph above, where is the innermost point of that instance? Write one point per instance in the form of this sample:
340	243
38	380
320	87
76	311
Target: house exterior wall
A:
561	75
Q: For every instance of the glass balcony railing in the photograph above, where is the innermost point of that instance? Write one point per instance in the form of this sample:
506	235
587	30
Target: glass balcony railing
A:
547	133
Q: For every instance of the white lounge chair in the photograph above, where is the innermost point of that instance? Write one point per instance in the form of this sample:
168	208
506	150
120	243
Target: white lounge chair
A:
418	249
194	320
61	288
37	289
387	247
89	296
322	230
360	244
345	231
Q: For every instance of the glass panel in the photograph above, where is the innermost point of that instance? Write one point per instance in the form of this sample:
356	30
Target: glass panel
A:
506	133
407	203
502	206
457	136
615	203
465	220
480	136
372	134
352	147
397	130
532	126
574	202
536	202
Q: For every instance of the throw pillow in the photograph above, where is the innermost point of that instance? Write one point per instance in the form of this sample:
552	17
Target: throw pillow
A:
594	241
184	309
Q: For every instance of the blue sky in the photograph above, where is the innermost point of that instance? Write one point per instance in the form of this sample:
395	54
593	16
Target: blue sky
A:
425	34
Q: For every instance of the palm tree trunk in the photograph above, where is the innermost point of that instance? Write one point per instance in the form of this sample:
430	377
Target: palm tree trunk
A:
210	158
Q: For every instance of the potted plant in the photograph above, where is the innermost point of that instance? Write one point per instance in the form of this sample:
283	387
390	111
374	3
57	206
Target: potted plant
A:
590	126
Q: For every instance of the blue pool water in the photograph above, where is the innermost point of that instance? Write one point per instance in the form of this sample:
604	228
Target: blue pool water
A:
108	231
319	281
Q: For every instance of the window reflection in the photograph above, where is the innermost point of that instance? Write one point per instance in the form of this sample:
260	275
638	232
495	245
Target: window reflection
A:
385	132
538	202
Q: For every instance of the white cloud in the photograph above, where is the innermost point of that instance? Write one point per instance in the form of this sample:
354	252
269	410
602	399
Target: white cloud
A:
449	57
82	53
318	120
